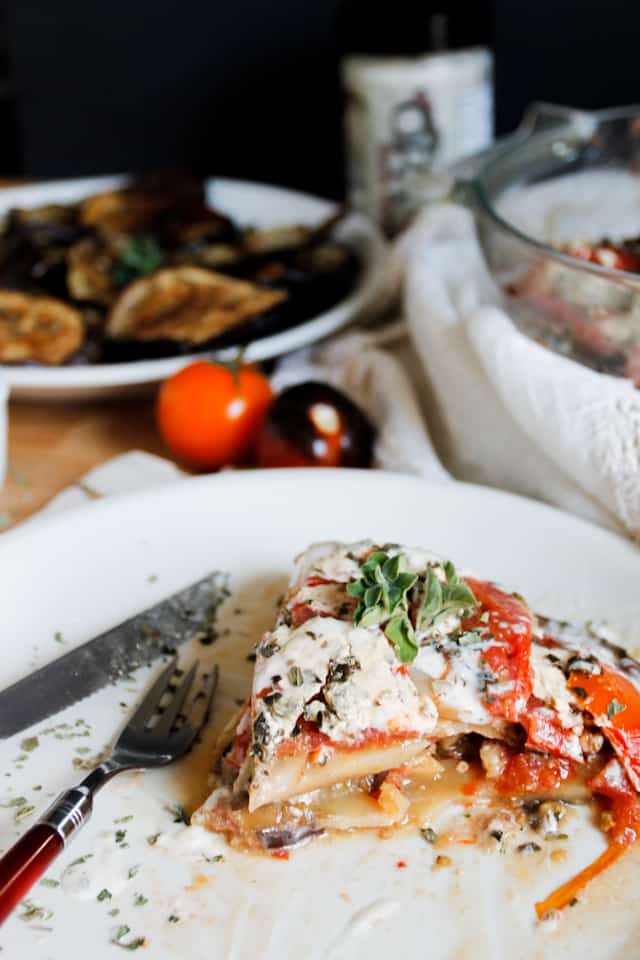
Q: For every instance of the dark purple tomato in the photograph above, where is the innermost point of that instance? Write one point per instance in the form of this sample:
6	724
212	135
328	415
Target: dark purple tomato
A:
314	425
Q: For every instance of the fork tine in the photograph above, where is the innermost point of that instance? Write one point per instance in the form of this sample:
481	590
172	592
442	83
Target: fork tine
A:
170	715
209	689
150	703
192	728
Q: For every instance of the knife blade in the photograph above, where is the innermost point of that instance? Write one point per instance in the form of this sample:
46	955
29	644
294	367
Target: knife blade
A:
112	655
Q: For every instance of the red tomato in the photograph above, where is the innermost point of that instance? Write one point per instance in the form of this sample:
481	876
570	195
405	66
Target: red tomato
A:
532	773
614	702
210	415
508	620
606	255
612	781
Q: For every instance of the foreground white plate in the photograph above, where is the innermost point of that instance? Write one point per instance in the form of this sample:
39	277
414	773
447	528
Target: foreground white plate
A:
76	574
247	203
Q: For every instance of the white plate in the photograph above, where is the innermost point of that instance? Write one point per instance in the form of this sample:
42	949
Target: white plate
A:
248	204
81	572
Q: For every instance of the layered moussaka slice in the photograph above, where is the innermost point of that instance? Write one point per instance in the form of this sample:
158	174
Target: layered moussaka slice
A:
390	676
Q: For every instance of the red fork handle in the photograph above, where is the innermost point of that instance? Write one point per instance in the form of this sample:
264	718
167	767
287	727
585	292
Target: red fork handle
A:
25	863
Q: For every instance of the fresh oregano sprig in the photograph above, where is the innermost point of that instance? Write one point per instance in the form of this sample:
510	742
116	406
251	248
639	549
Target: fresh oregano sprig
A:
442	599
382	591
140	255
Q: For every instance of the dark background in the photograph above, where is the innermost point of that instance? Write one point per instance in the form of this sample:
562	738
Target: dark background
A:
249	88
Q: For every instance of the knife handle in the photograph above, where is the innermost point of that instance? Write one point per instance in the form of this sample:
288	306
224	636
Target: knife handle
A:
25	863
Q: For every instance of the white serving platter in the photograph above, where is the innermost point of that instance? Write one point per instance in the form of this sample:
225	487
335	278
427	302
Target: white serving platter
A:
71	576
247	203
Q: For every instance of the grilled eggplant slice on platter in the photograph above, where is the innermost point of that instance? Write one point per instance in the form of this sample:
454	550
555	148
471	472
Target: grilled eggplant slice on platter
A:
179	309
35	329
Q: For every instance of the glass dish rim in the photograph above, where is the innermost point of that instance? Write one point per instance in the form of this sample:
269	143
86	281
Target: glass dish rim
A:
623	277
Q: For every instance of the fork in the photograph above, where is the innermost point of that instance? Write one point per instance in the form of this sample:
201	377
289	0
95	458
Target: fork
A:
157	734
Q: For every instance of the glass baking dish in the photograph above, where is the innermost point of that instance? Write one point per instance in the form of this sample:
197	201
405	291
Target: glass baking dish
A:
565	177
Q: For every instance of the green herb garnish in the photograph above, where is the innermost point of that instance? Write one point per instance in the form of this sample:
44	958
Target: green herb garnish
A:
401	633
139	900
79	860
614	707
31	911
382	594
295	676
104	895
179	813
443	599
140	255
428	834
133	944
173	918
152	839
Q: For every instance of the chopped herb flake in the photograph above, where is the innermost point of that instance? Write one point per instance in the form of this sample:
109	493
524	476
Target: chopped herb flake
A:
614	707
179	813
428	834
295	676
31	911
132	944
84	859
104	895
14	802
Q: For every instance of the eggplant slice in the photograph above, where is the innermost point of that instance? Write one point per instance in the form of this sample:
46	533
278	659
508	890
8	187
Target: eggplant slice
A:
90	268
139	206
186	305
45	226
35	329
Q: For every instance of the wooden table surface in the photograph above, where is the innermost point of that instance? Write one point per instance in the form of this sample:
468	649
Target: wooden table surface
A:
52	445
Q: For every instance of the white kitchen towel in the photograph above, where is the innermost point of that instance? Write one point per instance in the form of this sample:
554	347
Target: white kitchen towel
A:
504	410
375	379
126	473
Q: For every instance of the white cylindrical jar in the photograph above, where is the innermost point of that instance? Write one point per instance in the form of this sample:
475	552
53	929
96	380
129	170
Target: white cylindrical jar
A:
406	119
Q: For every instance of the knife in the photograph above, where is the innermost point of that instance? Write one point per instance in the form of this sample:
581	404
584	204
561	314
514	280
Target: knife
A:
111	656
